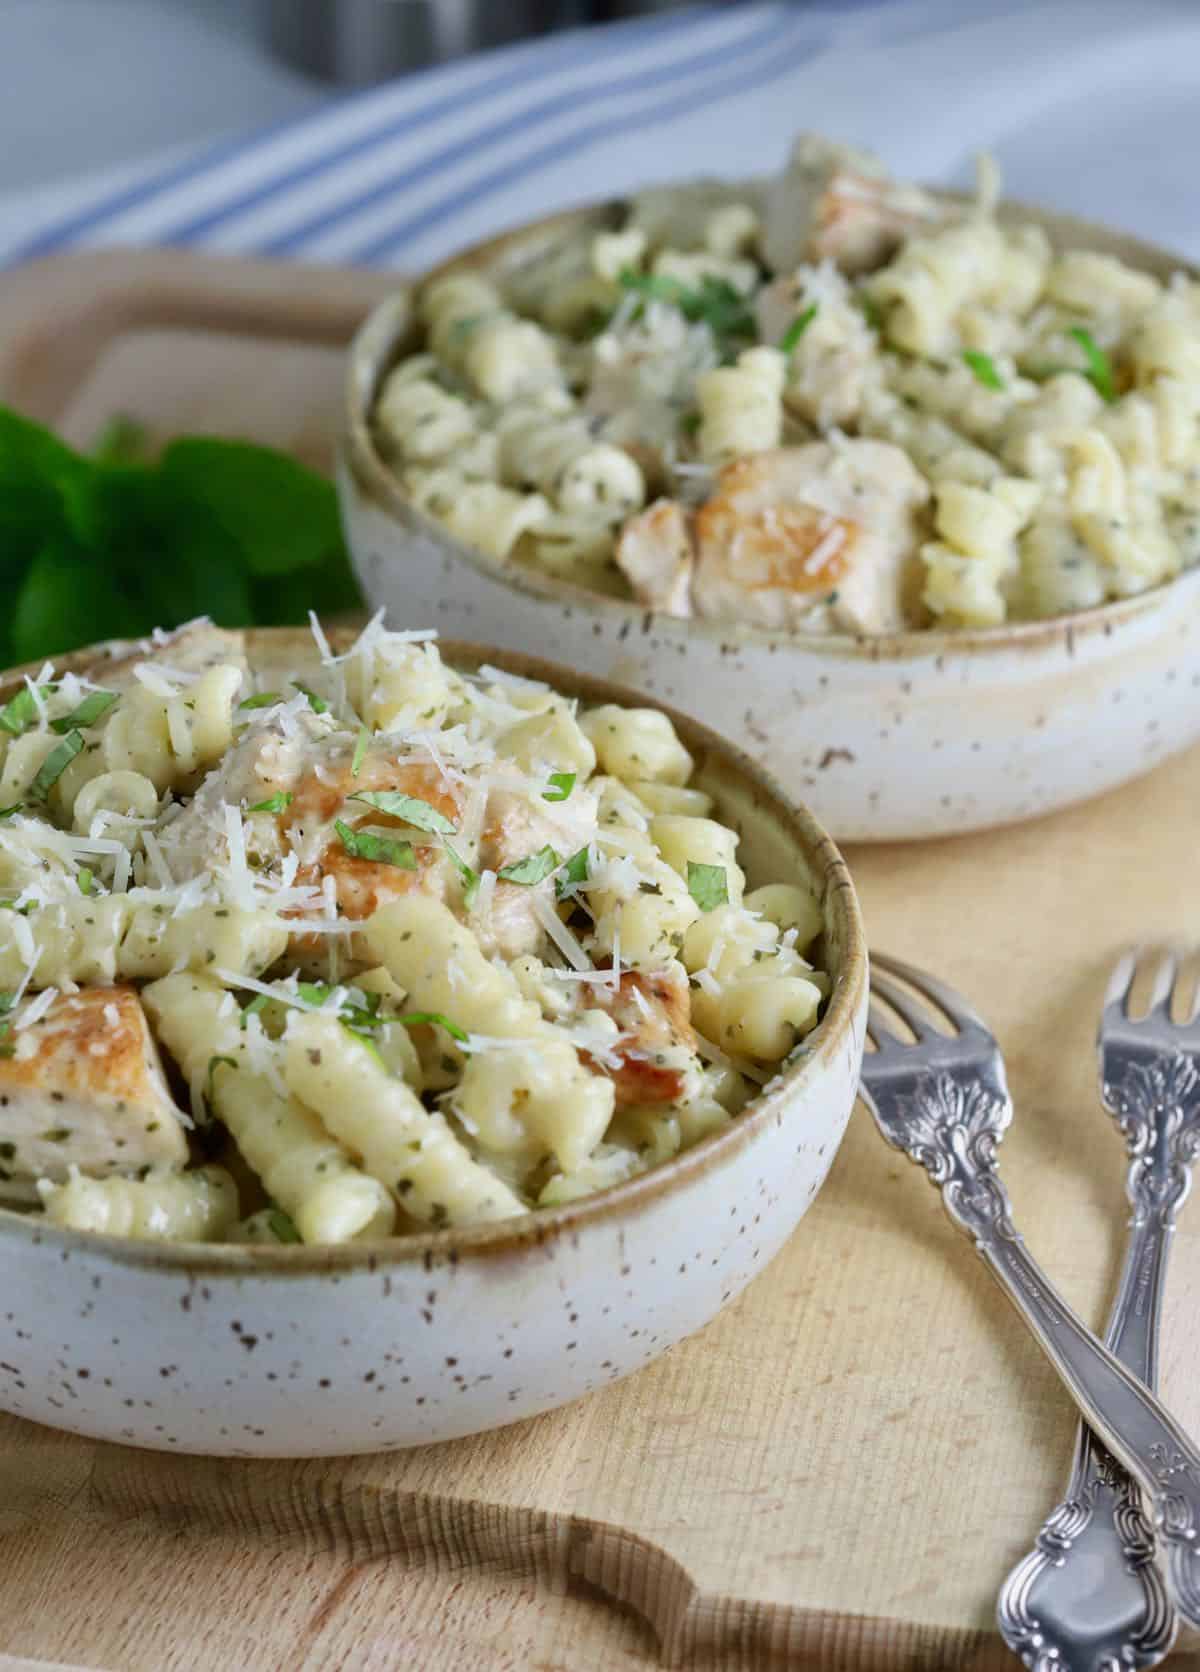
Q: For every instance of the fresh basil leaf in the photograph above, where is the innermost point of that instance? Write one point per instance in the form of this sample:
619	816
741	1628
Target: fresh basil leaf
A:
360	844
277	803
407	807
55	764
264	699
797	328
87	882
713	302
434	1018
257	1005
20	713
360	751
359	1009
534	868
316	703
93	707
562	783
470	878
8	812
984	368
573	872
7	1003
1099	366
707	885
281	1226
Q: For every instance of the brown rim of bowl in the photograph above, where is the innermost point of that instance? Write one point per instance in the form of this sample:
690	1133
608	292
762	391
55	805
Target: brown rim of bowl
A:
376	347
540	1225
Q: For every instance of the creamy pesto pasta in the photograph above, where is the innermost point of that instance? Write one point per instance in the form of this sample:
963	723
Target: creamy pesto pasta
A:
332	952
832	403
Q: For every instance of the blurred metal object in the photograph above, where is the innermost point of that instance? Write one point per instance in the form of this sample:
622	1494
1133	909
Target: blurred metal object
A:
356	42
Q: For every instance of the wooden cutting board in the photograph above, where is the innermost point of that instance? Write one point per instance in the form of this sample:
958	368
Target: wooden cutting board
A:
838	1473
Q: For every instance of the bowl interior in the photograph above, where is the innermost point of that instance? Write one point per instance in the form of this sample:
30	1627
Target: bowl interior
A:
392	331
780	841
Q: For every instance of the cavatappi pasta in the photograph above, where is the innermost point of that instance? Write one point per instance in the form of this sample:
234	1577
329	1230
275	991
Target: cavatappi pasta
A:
831	404
368	946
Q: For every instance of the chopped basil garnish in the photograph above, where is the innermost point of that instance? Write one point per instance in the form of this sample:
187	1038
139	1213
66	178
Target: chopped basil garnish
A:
277	803
797	328
360	844
690	422
55	764
359	1010
714	302
7	1045
92	708
470	878
264	699
8	812
534	868
435	1019
870	310
19	714
984	368
257	1005
561	785
1099	368
316	703
407	807
87	882
213	1064
574	871
707	885
360	751
281	1226
7	1001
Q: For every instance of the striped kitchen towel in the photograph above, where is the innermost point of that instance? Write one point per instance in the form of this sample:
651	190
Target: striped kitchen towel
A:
1091	105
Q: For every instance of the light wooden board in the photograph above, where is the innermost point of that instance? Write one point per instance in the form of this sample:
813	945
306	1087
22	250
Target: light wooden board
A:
839	1471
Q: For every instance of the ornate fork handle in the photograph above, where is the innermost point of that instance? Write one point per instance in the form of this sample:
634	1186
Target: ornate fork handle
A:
1051	1611
952	1129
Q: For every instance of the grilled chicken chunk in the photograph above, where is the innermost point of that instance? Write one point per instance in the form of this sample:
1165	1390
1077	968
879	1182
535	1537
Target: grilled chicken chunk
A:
84	1086
821	535
835	203
655	554
657	1042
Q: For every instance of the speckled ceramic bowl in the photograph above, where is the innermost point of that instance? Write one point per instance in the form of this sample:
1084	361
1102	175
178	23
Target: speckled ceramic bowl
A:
309	1352
909	735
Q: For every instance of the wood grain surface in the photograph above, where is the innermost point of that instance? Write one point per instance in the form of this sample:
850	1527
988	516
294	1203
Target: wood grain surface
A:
839	1471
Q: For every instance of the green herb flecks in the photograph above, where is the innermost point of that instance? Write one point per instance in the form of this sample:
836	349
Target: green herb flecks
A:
281	1226
561	785
1099	367
360	844
984	368
11	812
7	1044
434	1019
470	878
316	703
360	751
573	872
714	302
408	808
213	1064
21	711
264	699
257	1005
797	328
534	868
93	707
277	803
55	764
708	885
86	880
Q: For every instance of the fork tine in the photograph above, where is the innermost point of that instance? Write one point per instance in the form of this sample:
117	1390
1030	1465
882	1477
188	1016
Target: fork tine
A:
1165	977
879	1030
1120	985
955	1007
909	1010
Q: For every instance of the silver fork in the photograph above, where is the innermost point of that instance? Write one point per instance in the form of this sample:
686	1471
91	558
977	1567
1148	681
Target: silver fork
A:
1089	1597
944	1100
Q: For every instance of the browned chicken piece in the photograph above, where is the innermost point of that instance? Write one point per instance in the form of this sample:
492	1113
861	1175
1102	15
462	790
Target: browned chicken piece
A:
832	203
652	1010
514	828
364	885
655	554
823	536
83	1086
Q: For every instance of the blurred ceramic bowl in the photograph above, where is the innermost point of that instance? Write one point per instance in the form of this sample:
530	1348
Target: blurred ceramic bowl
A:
902	736
291	1352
